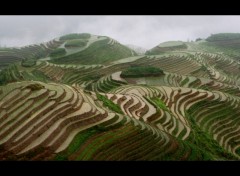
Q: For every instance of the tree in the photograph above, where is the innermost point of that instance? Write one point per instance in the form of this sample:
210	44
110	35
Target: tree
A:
198	39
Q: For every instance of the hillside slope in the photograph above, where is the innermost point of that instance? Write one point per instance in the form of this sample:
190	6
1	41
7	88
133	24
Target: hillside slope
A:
179	104
92	50
167	46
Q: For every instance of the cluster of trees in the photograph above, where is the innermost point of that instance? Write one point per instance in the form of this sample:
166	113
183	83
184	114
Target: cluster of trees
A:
28	62
223	36
3	78
58	52
6	75
198	39
76	43
75	36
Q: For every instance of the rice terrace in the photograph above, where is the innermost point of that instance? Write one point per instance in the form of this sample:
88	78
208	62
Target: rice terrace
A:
83	96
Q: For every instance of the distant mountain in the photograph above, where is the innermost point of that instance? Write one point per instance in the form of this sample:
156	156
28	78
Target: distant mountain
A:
229	40
227	43
223	37
139	50
167	46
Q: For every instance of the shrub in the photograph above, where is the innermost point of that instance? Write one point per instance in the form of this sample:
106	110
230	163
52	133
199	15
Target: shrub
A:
76	43
108	103
58	52
35	86
198	39
28	62
160	103
3	78
9	74
75	36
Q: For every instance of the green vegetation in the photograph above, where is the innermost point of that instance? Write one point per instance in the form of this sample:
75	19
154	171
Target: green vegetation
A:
76	143
223	36
141	71
28	62
76	43
227	43
97	53
91	77
25	54
156	104
198	39
10	74
167	46
39	76
108	103
160	103
206	143
75	36
58	52
35	86
3	77
35	75
238	151
170	44
184	81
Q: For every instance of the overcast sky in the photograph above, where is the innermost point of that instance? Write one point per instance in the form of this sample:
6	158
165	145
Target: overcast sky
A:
144	31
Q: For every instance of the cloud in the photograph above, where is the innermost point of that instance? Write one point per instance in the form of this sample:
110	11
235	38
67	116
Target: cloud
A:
144	31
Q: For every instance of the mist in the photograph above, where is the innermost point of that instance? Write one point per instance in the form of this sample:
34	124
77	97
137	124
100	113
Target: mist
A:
143	31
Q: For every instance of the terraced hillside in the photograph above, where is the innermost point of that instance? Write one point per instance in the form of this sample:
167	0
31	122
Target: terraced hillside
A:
180	104
91	49
36	51
167	46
